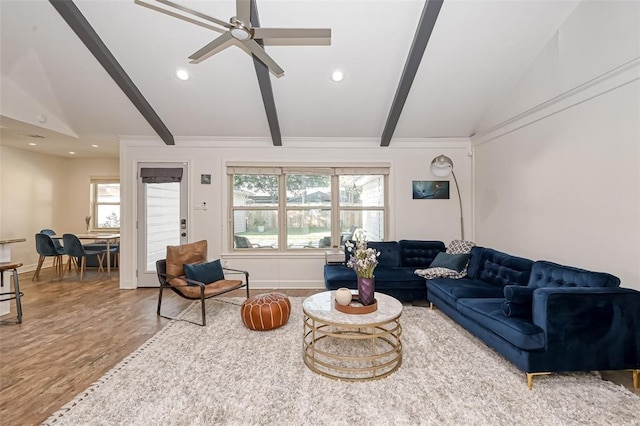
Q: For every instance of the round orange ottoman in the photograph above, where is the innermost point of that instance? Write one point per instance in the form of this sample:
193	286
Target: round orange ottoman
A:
266	311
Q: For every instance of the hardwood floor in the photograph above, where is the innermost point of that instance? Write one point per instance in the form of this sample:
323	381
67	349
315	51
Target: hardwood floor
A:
74	332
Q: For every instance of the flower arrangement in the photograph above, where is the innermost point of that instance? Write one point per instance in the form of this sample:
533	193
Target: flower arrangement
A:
363	259
87	221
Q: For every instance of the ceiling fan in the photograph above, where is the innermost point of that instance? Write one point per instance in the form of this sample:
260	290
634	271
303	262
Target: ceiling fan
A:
239	32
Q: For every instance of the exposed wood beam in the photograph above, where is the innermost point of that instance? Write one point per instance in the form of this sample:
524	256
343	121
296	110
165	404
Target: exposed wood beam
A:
428	19
264	80
79	24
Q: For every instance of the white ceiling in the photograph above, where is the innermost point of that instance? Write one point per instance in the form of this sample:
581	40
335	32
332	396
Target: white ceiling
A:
476	53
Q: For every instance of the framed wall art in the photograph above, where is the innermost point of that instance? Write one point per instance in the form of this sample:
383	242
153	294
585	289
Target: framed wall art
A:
430	189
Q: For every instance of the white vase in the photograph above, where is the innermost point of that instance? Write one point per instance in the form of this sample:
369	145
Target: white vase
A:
343	296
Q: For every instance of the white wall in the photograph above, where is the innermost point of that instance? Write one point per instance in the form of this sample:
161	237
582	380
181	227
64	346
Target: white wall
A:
409	219
559	178
43	191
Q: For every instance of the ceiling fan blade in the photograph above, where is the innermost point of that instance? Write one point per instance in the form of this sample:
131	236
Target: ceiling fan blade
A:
195	13
217	45
243	13
260	53
294	36
176	15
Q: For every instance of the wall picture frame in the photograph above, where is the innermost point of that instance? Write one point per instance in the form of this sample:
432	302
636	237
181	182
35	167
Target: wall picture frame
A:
430	189
205	179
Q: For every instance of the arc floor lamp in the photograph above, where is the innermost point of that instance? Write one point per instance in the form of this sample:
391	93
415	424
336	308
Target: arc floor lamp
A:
442	166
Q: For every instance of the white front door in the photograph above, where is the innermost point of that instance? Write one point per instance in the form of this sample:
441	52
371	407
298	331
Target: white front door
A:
162	215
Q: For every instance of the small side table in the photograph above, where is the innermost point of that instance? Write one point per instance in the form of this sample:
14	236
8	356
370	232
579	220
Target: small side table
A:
334	257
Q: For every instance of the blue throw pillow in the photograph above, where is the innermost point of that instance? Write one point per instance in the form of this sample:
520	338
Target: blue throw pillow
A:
204	272
456	262
518	310
518	301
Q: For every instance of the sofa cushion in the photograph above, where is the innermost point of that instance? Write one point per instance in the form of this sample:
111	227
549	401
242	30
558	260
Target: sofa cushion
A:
548	274
520	332
389	252
457	262
419	254
451	290
497	268
336	276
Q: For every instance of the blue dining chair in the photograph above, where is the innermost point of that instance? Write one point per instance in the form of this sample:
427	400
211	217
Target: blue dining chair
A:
56	241
77	253
46	248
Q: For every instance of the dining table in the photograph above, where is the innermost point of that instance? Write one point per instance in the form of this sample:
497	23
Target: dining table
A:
108	238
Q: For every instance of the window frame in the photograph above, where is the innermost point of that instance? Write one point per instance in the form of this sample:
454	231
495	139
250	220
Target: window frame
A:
282	208
94	204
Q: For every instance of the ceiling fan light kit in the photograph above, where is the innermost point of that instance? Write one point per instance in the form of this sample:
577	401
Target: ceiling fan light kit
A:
240	33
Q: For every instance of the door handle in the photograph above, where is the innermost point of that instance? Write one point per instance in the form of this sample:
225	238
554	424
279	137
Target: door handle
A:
184	234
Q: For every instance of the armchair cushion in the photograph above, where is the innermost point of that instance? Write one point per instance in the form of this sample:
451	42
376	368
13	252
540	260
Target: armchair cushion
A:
177	256
209	272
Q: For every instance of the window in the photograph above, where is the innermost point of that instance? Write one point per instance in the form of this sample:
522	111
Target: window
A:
105	204
283	209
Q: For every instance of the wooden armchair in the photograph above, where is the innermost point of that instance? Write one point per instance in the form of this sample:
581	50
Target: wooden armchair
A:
171	274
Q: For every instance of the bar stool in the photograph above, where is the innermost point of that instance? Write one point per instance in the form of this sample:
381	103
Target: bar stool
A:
16	293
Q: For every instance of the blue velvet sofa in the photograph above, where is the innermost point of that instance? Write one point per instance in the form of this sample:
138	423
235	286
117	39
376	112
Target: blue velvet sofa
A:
394	274
542	316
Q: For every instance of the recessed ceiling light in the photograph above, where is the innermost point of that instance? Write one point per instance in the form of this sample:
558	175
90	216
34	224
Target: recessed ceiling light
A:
94	145
33	143
72	152
337	76
182	74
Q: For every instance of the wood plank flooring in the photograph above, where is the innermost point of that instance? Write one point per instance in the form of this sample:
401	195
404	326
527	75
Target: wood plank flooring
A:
73	332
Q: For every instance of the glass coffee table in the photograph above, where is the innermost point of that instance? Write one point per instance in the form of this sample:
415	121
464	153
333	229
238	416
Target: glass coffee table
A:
350	346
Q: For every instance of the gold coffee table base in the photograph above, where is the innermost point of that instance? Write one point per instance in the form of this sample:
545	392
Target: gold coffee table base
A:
352	351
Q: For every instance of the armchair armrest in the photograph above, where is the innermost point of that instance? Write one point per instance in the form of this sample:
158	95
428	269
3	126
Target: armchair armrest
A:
597	327
165	282
238	271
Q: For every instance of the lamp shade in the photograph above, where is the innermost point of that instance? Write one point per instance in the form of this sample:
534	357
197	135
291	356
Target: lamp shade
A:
441	166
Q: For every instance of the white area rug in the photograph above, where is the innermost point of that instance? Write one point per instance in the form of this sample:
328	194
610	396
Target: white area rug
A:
227	374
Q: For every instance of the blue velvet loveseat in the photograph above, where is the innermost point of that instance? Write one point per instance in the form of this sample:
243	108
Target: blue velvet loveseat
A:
394	274
542	316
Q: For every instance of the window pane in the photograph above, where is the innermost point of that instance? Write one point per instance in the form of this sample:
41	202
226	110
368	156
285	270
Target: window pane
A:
255	190
308	228
308	190
255	229
108	216
362	190
371	222
108	192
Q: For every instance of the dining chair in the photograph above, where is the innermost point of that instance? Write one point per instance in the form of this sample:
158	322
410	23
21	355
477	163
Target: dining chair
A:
56	242
46	248
76	252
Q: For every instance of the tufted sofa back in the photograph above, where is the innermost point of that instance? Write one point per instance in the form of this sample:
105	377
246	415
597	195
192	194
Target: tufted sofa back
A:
548	274
419	254
389	252
497	268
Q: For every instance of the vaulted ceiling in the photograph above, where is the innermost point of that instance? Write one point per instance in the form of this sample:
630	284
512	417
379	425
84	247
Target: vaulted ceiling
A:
53	86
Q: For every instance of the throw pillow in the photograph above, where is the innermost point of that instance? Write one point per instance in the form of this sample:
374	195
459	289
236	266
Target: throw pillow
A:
518	301
517	310
431	273
457	262
460	247
518	293
204	272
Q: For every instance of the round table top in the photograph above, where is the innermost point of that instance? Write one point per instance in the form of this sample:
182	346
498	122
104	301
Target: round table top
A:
321	307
